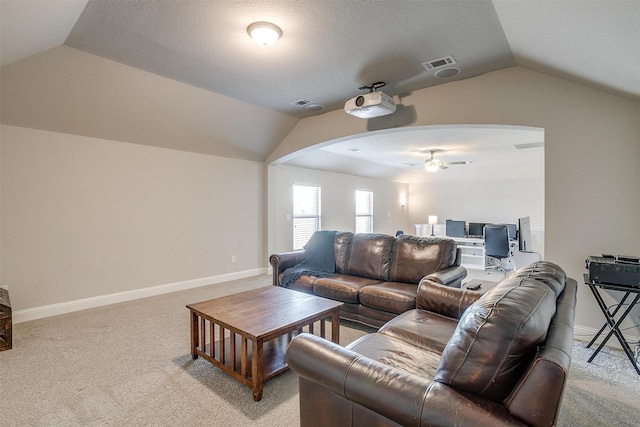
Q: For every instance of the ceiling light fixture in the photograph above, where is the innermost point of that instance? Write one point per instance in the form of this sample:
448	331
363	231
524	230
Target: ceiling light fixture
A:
264	33
431	166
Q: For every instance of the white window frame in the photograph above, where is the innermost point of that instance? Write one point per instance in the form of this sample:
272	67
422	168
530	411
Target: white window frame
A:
364	211
307	214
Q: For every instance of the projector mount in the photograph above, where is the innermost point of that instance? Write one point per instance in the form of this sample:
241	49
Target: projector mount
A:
373	87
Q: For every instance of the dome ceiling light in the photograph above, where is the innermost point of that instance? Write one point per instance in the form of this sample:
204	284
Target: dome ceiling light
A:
264	33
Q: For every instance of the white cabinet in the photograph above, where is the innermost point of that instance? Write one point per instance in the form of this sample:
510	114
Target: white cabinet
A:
473	255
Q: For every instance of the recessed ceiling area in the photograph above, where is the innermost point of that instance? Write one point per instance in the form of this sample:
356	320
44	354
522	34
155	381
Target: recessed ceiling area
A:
492	152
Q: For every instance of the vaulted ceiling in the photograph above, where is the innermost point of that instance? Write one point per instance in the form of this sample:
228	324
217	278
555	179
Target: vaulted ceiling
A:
328	50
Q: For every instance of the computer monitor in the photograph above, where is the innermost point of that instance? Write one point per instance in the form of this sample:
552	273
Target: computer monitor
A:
455	228
524	234
513	231
476	229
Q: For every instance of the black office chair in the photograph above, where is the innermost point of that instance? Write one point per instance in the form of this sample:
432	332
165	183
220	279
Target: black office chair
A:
496	243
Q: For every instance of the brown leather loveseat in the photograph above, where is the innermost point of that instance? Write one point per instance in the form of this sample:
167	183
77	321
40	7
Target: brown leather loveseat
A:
460	358
376	275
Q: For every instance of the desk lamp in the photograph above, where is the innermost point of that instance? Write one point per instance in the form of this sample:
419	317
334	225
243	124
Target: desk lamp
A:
433	219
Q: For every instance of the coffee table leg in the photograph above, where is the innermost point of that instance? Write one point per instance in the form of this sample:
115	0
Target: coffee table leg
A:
194	335
257	370
335	327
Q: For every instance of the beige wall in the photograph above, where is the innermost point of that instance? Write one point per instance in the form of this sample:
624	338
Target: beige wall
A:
84	217
70	91
592	152
338	202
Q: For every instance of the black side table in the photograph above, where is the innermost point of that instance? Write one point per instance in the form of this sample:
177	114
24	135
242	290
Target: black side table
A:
610	316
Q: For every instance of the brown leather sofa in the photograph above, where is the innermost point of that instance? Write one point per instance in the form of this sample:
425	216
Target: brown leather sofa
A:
377	275
461	358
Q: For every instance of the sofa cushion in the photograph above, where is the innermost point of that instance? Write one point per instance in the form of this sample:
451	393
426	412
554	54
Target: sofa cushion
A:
341	249
546	272
304	284
341	287
389	296
424	329
497	337
397	354
415	257
370	255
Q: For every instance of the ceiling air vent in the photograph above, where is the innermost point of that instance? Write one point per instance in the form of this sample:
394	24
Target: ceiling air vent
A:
528	145
439	63
302	103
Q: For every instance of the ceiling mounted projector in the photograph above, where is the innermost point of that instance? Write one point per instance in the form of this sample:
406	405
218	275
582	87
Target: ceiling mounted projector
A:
372	104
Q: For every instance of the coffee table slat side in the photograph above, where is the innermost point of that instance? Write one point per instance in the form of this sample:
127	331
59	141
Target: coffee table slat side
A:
266	319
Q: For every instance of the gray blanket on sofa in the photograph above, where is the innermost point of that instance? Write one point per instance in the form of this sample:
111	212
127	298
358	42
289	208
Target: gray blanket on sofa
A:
319	261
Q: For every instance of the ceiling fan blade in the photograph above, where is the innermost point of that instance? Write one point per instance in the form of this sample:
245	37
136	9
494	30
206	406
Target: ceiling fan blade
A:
456	163
442	166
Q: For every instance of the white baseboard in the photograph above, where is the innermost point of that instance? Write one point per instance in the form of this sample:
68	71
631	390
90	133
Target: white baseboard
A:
101	300
582	333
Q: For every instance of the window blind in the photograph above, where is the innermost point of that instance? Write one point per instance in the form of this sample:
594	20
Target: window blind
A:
364	211
306	213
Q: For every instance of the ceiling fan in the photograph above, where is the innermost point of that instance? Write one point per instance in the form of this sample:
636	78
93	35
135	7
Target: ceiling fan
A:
432	165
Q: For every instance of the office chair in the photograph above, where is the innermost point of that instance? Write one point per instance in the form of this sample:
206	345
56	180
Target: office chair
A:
496	243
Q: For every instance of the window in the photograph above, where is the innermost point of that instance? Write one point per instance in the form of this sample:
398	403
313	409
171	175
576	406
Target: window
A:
306	213
364	211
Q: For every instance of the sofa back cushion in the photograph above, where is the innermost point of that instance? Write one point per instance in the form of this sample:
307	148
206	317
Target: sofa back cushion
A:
342	248
546	272
370	255
415	257
497	337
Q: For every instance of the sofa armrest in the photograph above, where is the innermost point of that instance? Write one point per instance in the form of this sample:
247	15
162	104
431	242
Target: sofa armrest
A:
403	398
451	276
389	392
280	262
445	406
443	299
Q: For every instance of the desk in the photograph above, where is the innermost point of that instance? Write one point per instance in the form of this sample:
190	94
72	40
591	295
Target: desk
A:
473	254
610	316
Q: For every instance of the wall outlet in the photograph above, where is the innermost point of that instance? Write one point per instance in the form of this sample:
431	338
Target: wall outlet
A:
233	258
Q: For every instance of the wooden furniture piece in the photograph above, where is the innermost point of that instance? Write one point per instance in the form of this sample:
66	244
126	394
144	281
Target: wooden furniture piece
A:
6	341
247	334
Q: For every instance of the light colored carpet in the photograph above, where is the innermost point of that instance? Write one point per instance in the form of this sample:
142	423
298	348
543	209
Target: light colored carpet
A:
128	364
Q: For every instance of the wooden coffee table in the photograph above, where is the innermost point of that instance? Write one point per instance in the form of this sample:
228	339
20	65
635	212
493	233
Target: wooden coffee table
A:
251	330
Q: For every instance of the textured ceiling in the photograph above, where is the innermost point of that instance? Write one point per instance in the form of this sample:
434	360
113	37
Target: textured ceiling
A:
329	48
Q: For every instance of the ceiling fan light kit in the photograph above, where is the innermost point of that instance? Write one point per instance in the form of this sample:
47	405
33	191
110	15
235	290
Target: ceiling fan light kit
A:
433	165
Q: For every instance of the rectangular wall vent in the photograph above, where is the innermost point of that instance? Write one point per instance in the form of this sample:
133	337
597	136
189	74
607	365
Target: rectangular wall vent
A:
438	63
529	145
302	103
